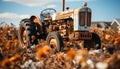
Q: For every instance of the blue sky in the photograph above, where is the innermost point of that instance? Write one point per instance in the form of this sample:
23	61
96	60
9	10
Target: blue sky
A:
12	11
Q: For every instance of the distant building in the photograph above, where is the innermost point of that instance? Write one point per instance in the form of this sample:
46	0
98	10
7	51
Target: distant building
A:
101	25
115	24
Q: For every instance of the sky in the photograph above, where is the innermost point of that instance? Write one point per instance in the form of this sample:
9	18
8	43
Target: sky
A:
12	11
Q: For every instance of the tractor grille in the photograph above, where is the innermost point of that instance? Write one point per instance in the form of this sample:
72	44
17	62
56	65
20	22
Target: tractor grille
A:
85	18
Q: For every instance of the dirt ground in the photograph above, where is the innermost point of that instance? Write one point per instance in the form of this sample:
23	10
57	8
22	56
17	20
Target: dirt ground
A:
13	56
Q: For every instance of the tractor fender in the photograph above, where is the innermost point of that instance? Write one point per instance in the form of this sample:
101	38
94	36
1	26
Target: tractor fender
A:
38	22
36	19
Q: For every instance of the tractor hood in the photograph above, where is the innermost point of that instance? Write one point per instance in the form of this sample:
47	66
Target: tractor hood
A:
70	13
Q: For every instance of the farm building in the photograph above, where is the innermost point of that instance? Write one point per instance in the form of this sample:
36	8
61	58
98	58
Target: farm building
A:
115	24
101	25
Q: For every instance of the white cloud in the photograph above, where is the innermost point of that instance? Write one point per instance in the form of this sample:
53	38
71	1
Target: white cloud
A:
39	2
13	16
31	2
77	0
51	6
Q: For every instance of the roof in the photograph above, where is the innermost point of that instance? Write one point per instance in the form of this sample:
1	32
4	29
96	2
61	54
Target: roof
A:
101	24
117	20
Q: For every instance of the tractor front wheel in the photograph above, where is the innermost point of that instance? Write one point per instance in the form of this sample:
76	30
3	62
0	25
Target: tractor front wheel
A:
54	40
94	43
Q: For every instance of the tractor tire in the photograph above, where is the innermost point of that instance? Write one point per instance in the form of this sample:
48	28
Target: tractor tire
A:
94	43
96	39
55	41
28	26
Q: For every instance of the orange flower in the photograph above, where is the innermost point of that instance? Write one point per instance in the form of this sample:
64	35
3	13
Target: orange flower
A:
15	58
43	52
70	54
5	62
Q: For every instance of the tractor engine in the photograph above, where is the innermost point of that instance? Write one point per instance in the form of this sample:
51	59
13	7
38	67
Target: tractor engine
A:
63	27
73	24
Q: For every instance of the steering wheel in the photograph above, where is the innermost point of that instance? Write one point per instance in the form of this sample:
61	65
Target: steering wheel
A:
47	13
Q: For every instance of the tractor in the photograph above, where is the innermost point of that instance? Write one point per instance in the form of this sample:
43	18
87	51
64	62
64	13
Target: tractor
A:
68	28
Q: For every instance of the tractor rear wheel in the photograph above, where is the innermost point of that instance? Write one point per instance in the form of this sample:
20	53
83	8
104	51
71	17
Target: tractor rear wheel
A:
55	41
94	43
27	33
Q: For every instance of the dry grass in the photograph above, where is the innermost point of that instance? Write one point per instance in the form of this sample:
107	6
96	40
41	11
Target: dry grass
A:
13	56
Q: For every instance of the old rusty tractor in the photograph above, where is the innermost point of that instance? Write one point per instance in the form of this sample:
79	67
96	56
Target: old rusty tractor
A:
69	28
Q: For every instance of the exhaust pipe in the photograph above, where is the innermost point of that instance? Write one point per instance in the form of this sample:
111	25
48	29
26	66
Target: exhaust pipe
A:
63	5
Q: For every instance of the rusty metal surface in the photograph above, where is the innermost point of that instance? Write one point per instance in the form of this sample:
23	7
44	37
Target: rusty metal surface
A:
85	35
35	19
63	5
80	36
64	15
74	14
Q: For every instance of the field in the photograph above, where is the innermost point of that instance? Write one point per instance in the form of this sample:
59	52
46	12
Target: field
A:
14	56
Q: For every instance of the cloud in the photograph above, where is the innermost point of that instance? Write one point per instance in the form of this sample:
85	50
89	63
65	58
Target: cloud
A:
31	2
39	2
77	0
13	16
49	6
